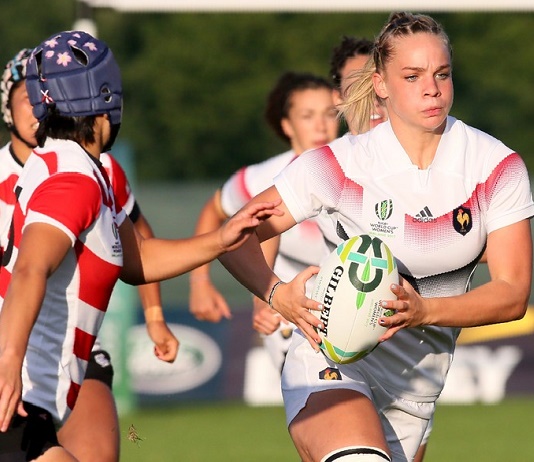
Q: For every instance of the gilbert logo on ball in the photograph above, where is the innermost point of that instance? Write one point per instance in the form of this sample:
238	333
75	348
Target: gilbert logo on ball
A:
351	283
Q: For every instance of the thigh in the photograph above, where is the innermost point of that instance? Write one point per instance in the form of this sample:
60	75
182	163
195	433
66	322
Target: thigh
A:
334	419
28	437
92	428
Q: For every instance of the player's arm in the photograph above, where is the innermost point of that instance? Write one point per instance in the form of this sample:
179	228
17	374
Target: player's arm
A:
41	250
265	320
151	260
248	265
504	298
165	342
206	303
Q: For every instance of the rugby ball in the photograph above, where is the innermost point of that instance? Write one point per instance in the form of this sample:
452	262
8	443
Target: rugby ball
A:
351	282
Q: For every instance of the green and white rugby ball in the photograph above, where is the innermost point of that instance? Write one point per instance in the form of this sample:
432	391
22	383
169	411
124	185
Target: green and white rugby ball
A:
352	281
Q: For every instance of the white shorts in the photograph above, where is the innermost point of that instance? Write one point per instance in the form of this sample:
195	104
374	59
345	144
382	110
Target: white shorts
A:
305	372
277	344
428	431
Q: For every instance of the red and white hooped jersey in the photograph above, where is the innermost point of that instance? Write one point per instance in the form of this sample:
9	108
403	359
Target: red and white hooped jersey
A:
10	169
301	246
435	221
119	182
62	185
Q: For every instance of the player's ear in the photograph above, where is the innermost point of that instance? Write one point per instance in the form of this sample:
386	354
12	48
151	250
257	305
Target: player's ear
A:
379	85
287	128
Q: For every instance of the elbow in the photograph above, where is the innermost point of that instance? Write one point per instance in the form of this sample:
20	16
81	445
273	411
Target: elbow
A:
520	307
132	278
520	311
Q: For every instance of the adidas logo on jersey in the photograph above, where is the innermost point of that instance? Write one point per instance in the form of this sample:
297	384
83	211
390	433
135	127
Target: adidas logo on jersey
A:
424	216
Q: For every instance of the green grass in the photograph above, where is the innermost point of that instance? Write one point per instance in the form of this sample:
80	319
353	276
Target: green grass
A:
224	432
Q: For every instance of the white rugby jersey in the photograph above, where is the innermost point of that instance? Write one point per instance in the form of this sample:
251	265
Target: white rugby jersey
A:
65	187
301	246
435	221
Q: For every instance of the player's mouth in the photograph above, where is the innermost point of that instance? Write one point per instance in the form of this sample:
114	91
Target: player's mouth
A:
433	111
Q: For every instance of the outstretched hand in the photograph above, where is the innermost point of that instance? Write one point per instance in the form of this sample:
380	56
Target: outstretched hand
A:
237	229
291	302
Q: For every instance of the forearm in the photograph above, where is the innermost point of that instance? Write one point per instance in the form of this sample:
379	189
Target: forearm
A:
248	266
494	302
162	259
149	294
210	219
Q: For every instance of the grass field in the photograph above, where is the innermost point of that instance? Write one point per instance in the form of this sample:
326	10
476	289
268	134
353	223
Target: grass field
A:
224	432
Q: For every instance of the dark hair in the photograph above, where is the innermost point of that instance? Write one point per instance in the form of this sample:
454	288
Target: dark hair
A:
348	48
279	98
54	125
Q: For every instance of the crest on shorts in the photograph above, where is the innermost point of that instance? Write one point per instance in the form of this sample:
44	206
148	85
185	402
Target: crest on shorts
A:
462	220
286	333
330	373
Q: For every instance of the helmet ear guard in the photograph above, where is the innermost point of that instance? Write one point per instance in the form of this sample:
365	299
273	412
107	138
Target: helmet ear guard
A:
77	75
14	73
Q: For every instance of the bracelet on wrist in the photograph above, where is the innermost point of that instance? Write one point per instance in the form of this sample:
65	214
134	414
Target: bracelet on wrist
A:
271	294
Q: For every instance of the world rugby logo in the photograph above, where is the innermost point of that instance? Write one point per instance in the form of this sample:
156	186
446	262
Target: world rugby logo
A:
384	209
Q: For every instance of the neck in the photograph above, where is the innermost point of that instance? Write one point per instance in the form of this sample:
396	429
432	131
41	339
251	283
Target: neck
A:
94	149
421	146
20	149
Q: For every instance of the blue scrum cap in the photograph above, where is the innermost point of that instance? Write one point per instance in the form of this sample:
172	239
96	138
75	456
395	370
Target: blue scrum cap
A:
77	74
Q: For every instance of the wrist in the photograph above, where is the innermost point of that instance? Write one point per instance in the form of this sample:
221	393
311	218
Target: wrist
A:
154	313
274	288
193	278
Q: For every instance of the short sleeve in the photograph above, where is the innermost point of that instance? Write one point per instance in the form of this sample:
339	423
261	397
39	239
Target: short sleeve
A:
69	201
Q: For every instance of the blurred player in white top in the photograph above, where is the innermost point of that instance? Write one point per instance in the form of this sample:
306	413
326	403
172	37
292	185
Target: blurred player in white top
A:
347	59
300	110
454	192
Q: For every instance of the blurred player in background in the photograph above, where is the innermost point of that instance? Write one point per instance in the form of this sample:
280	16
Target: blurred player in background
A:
347	59
301	111
478	190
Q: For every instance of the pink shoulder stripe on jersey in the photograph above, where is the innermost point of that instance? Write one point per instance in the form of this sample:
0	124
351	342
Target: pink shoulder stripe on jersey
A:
504	173
323	160
242	185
